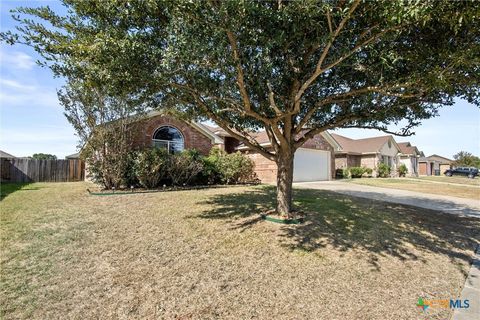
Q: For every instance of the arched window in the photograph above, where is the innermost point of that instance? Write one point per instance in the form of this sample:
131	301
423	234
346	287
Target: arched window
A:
170	138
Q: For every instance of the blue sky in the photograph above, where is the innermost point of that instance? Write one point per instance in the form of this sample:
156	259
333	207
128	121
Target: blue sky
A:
32	121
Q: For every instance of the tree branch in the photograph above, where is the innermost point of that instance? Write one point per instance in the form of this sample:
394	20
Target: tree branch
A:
313	132
271	99
252	143
240	77
341	97
318	69
405	132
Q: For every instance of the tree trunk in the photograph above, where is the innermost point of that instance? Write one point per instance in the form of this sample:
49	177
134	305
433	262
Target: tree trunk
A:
284	183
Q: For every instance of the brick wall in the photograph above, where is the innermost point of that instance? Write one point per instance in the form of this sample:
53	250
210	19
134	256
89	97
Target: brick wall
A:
341	161
265	169
143	132
370	161
347	161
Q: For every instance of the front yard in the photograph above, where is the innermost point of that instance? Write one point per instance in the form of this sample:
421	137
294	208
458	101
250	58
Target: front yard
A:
433	185
454	179
206	254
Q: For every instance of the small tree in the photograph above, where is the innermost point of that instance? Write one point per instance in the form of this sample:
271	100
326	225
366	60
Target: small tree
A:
44	156
102	124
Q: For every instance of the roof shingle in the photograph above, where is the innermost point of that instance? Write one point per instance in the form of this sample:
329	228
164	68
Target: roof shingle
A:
365	145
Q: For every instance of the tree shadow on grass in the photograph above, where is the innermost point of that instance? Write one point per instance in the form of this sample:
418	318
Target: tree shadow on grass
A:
345	222
7	189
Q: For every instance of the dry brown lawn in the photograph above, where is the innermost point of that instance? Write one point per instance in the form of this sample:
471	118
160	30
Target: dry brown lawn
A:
206	255
417	185
454	179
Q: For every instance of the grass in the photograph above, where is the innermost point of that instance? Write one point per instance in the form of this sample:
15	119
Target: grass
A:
417	185
207	254
454	179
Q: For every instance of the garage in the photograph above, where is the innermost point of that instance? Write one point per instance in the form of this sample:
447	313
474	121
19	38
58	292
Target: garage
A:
311	165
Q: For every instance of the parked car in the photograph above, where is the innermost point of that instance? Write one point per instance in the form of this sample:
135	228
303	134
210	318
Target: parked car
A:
462	171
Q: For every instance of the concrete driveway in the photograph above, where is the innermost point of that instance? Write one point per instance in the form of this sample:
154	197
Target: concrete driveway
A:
447	204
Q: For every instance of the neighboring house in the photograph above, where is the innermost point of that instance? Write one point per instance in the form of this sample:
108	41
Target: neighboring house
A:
73	156
314	161
433	165
6	155
409	156
368	152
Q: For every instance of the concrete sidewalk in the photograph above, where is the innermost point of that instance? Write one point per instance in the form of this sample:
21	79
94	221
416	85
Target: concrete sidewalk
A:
454	205
471	292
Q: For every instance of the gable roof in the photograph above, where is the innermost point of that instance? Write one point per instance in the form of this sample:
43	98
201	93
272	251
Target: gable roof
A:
73	156
439	158
4	154
262	138
407	149
366	145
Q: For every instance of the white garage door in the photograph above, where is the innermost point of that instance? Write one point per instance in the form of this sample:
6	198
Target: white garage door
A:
311	165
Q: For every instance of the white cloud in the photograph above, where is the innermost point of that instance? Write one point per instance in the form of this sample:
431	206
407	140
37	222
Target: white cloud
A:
16	60
17	94
16	85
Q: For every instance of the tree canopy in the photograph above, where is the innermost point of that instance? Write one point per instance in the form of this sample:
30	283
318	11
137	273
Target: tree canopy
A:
466	159
44	156
291	68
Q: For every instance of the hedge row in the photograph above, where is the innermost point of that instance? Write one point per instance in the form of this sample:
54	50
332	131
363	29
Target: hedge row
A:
151	168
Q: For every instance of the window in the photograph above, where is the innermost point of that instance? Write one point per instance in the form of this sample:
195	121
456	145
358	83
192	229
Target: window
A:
169	138
387	160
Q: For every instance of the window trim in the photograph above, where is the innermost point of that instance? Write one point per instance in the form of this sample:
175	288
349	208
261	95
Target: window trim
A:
168	126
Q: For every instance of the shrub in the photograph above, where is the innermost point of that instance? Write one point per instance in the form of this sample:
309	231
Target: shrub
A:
346	173
369	171
109	169
210	173
151	166
130	176
357	172
383	170
236	168
339	173
402	170
220	167
184	167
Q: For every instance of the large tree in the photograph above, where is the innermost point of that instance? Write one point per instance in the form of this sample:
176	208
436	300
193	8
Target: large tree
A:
291	68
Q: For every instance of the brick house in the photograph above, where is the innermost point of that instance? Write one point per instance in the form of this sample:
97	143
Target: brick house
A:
368	152
433	165
409	156
168	132
314	161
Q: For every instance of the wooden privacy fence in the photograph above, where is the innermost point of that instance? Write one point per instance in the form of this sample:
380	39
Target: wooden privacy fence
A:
31	170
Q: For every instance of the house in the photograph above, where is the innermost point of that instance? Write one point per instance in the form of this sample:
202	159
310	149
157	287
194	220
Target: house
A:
314	161
368	152
6	155
433	165
73	156
409	156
